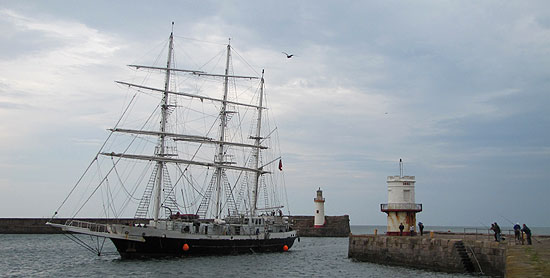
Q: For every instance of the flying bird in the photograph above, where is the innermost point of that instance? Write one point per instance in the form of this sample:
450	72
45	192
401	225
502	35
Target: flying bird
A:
288	55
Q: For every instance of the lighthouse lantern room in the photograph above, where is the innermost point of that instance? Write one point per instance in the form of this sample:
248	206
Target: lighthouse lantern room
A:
401	207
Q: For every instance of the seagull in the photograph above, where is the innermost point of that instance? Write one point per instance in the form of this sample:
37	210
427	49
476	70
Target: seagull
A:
288	55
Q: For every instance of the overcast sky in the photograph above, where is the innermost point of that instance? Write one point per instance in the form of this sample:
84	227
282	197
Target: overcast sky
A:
458	89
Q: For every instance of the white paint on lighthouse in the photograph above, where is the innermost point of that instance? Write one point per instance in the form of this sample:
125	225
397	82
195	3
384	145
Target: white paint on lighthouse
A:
401	189
401	207
319	209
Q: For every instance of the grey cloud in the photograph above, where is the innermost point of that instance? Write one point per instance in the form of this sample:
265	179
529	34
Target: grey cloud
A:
465	84
13	105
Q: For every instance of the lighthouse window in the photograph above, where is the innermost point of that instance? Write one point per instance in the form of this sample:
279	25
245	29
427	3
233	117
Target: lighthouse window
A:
317	211
406	194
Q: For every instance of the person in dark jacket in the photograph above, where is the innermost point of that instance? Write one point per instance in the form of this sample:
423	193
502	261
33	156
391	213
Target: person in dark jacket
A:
517	232
527	232
401	228
496	229
498	232
421	228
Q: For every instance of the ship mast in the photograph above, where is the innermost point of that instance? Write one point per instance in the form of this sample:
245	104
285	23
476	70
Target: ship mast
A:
164	112
223	124
257	149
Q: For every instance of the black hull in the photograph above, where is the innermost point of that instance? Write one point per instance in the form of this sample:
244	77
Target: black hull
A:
174	247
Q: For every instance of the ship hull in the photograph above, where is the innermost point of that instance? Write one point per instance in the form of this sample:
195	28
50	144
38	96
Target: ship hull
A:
174	247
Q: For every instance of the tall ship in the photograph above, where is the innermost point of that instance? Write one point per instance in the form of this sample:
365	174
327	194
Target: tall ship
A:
201	174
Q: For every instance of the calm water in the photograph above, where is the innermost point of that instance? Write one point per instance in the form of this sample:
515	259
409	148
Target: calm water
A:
57	256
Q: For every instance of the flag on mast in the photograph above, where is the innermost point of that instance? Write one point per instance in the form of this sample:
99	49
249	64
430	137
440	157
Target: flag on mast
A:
280	164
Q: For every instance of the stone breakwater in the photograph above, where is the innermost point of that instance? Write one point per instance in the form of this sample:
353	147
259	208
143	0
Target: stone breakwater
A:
38	225
335	226
527	261
441	253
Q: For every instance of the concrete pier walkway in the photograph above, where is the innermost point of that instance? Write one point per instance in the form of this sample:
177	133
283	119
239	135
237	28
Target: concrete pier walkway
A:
529	260
455	252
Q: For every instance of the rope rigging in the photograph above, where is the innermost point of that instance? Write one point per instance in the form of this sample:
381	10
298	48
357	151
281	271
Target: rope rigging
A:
191	198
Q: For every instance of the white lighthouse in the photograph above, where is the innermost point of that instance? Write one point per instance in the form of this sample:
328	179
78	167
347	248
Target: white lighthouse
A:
319	209
401	207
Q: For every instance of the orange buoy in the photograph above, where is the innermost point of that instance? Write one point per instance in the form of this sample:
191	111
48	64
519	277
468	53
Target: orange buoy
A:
285	248
185	247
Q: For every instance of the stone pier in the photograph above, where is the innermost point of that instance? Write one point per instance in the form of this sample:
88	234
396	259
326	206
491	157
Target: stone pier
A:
38	225
335	226
529	260
440	253
461	253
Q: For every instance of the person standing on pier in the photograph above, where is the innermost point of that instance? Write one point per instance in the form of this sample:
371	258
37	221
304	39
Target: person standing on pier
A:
496	229
401	228
421	228
517	231
498	232
411	230
527	232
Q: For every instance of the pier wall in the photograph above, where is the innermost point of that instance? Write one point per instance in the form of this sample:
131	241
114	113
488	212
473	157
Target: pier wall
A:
335	226
439	254
38	225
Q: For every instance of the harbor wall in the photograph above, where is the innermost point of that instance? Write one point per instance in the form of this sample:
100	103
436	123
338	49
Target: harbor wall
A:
335	226
439	254
38	225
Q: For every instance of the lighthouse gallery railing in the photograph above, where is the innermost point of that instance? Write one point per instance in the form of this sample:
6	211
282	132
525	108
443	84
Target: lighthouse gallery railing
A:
401	207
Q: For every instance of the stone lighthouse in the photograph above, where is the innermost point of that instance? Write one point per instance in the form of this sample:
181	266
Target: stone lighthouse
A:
319	209
401	207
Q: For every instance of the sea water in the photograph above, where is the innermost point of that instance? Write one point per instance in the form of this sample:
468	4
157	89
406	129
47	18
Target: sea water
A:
57	256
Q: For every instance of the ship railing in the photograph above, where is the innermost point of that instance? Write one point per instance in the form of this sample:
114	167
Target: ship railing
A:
400	207
94	227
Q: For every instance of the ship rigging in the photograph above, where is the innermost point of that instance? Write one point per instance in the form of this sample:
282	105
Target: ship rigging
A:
228	191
